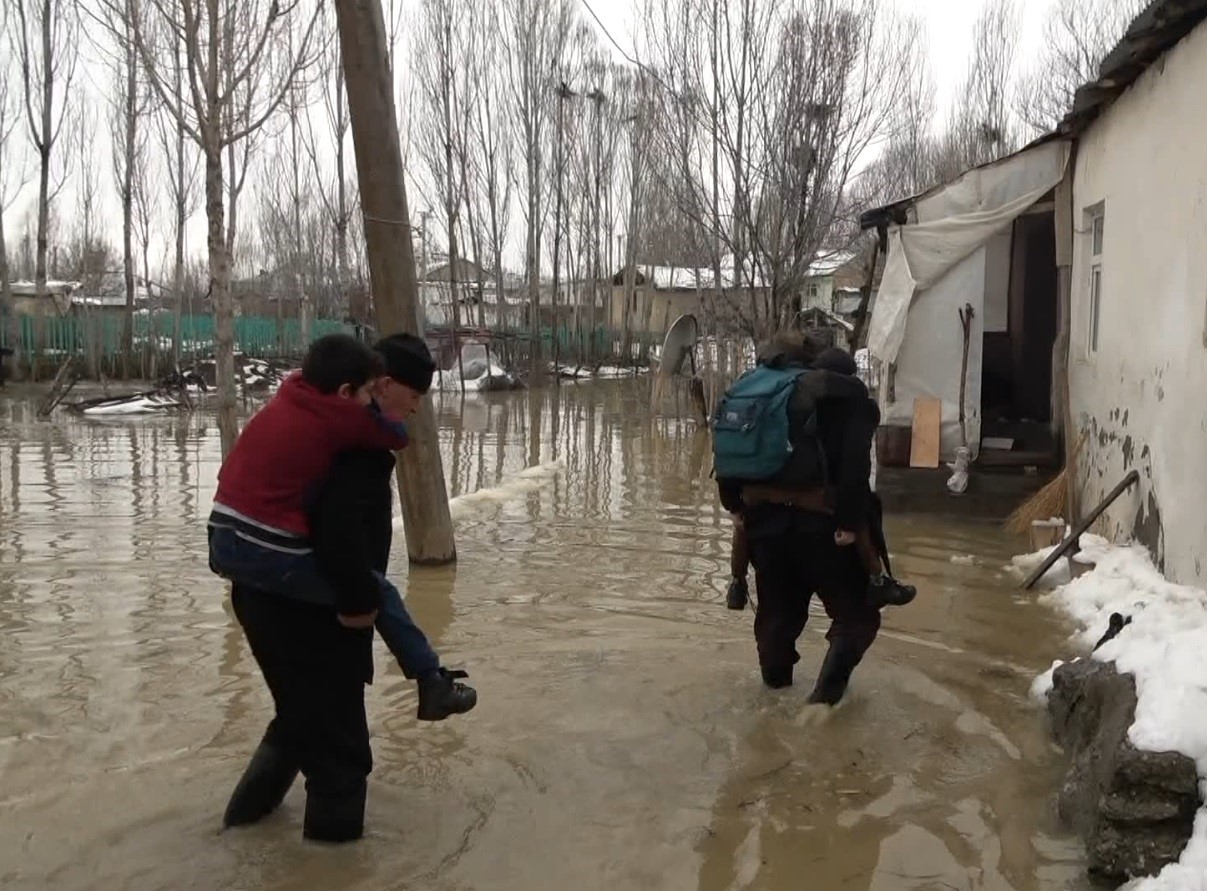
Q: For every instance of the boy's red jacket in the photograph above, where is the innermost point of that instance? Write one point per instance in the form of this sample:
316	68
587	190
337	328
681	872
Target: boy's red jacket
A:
286	450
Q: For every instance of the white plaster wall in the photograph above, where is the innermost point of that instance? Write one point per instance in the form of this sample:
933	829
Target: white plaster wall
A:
931	353
1143	395
825	293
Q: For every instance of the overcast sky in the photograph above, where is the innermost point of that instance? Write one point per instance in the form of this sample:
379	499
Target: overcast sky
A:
949	25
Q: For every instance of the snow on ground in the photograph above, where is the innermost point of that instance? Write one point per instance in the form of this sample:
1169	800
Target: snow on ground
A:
1164	647
509	488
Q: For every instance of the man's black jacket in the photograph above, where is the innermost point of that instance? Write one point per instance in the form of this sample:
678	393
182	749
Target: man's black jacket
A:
351	528
847	419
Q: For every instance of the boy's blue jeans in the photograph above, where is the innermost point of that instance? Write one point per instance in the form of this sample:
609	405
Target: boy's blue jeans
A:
296	575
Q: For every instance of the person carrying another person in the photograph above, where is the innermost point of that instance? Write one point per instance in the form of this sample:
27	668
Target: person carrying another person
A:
316	654
884	590
259	527
792	454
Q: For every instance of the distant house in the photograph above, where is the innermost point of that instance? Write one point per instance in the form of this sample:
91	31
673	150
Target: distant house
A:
478	302
1084	258
663	293
56	301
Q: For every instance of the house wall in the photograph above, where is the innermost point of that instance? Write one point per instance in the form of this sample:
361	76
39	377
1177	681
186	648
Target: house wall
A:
824	298
928	365
1141	394
668	305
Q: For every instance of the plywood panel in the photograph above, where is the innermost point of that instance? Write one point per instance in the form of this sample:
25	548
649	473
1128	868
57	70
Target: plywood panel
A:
928	419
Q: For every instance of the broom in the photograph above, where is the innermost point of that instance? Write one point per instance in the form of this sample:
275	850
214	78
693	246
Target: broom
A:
1048	502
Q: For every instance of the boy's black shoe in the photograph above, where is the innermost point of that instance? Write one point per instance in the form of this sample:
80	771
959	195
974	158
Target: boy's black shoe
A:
440	695
738	594
884	590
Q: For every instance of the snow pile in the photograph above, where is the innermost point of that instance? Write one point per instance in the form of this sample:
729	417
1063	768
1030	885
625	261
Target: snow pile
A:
1164	647
481	376
531	479
1092	548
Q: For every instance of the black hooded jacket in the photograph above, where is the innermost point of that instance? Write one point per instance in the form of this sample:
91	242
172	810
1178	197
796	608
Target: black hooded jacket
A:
847	418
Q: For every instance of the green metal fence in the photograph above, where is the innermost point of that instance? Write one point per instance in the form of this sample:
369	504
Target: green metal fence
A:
101	335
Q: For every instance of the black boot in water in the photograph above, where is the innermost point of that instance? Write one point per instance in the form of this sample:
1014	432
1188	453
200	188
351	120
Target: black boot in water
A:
440	695
335	818
262	787
835	674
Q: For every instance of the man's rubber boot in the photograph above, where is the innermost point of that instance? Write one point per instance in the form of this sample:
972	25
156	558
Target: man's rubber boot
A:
335	818
777	677
440	695
262	787
835	674
884	590
737	595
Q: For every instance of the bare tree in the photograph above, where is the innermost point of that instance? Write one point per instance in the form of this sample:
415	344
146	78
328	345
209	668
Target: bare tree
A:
334	189
490	147
765	110
129	101
440	74
182	165
984	127
531	33
239	70
1077	35
13	176
45	35
147	208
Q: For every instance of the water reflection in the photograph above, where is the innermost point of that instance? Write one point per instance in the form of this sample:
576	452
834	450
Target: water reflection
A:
623	738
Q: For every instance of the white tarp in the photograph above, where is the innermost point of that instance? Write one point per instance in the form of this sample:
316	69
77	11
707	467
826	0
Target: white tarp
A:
952	222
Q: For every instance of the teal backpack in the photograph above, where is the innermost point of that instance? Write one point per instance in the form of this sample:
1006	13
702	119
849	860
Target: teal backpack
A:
752	437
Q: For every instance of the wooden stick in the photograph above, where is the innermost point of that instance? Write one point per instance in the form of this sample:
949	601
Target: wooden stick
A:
1071	542
966	323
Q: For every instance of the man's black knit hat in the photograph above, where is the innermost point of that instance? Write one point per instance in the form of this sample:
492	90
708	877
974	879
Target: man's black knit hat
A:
407	360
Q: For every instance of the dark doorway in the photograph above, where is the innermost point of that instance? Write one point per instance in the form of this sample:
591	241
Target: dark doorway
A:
1016	392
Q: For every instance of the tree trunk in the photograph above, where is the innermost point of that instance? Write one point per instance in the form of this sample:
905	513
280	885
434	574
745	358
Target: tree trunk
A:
364	44
220	295
12	320
129	148
859	334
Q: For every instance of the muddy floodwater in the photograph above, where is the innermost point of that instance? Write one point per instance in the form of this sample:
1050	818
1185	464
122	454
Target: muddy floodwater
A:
622	740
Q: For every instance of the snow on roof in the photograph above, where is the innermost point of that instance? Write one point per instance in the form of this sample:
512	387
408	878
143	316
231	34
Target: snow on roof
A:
30	289
681	278
827	264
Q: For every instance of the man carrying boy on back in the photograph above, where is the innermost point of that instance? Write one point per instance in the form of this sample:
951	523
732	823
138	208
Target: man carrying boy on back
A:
259	527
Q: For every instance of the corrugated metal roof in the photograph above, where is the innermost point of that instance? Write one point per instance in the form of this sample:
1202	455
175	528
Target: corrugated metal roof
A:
1154	32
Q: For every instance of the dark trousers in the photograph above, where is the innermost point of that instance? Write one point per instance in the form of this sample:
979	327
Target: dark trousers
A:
739	550
316	671
795	557
297	576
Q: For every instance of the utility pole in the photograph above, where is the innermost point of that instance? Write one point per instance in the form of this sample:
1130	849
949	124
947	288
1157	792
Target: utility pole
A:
597	100
563	93
369	83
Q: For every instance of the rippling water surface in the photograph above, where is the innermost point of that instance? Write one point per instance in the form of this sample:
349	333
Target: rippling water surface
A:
622	740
